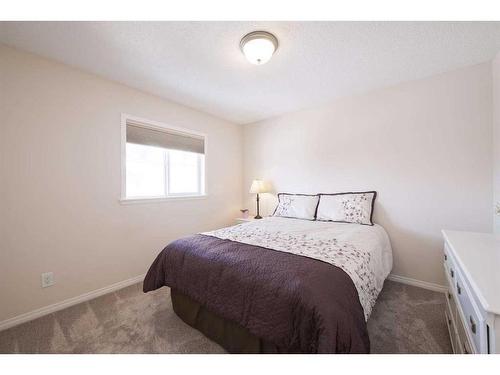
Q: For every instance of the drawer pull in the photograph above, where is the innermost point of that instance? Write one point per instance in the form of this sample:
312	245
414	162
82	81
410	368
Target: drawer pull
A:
445	257
449	295
472	325
452	273
459	289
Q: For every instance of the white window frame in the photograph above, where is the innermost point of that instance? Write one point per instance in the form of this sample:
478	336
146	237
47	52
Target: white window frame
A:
156	125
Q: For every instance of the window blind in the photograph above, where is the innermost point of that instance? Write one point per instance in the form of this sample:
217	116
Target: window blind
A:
168	139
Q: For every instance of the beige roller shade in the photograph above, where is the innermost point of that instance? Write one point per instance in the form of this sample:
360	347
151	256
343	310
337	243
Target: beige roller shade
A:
169	139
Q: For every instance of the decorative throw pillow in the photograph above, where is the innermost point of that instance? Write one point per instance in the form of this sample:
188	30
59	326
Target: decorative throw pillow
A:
347	207
298	206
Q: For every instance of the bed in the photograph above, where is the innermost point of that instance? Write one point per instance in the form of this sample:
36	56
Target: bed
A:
278	285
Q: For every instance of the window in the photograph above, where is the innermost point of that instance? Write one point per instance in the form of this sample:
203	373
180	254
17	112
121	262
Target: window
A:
161	161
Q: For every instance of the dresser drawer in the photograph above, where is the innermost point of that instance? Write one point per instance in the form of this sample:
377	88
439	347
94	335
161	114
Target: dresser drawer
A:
452	305
451	331
472	323
463	344
449	266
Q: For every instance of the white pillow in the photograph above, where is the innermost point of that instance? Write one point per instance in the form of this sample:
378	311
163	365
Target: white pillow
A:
347	207
298	206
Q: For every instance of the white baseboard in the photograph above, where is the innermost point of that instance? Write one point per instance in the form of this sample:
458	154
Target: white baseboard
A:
11	322
418	283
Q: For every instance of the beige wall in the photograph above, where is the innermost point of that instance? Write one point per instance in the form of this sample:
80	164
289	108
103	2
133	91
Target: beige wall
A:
425	146
60	182
495	65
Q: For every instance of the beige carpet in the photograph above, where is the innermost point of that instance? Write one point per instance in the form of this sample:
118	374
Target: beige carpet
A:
405	320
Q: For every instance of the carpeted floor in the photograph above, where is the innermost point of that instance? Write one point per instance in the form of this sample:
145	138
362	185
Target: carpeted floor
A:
405	320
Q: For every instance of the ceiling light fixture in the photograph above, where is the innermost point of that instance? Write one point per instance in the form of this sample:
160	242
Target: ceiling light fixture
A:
259	46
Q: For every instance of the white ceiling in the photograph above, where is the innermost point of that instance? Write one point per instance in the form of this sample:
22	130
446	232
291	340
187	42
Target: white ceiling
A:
199	64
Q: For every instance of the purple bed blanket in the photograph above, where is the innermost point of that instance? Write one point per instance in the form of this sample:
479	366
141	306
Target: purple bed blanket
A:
300	304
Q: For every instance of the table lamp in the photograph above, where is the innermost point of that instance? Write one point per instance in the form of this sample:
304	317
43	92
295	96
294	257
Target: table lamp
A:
258	186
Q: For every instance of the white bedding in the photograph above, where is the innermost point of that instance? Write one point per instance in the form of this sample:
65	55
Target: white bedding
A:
363	252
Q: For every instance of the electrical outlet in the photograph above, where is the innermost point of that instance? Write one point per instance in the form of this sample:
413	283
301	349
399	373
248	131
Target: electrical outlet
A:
47	279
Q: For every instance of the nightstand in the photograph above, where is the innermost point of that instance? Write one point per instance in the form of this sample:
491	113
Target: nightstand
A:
241	220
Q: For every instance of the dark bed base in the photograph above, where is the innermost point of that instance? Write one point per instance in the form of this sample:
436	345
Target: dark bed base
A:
229	335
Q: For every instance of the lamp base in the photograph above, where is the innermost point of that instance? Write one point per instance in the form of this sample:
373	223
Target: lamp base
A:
258	217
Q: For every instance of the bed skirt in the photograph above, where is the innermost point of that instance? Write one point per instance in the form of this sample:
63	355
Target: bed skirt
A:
231	336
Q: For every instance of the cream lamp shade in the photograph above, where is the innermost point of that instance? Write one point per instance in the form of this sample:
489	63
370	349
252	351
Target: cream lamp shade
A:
258	186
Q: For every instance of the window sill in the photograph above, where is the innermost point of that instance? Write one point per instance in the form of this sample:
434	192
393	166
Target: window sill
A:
162	199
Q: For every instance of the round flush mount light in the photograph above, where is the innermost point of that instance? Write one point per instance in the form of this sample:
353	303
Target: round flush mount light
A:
259	46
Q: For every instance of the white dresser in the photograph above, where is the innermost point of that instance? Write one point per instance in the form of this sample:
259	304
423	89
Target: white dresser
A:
472	266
